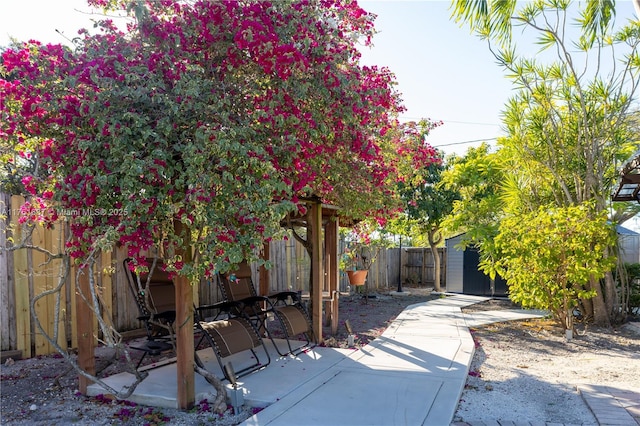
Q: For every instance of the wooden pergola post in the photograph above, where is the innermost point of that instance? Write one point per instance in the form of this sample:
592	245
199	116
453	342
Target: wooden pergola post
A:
84	330
331	239
317	269
185	346
264	274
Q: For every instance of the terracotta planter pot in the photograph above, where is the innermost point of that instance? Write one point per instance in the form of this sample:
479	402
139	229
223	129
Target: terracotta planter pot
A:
357	277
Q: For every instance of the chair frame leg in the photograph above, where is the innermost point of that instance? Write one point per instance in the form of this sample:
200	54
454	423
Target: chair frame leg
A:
241	373
293	352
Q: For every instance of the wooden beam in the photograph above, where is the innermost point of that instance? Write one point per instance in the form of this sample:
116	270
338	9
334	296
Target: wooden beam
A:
184	328
184	342
630	178
331	254
265	285
317	269
84	328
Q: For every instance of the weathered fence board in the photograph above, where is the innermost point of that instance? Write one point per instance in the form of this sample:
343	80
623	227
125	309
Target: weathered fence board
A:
420	266
22	288
43	277
7	291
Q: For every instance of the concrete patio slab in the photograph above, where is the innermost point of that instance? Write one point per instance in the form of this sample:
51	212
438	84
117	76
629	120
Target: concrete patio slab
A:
441	321
357	397
406	353
159	389
478	318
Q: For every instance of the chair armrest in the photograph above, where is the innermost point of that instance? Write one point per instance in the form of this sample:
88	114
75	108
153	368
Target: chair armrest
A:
284	295
224	306
251	299
217	305
165	315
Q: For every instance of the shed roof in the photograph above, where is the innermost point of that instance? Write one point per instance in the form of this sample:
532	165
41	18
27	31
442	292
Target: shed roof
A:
621	230
629	185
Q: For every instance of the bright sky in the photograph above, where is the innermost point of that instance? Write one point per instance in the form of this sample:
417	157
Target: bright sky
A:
444	72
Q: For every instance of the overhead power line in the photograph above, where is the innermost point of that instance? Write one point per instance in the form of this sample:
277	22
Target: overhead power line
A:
404	117
470	122
465	142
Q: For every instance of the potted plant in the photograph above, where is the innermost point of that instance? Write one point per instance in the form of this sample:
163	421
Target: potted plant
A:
357	255
354	265
362	245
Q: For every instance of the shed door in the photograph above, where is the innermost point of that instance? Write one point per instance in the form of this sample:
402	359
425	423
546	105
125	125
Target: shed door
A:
476	282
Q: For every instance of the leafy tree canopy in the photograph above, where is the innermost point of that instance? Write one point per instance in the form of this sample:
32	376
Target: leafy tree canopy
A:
477	178
571	121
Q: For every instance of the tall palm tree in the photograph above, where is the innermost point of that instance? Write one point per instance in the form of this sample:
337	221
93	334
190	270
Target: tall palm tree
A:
494	19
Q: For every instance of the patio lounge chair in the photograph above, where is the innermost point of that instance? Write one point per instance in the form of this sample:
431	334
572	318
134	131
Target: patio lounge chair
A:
284	307
229	335
155	298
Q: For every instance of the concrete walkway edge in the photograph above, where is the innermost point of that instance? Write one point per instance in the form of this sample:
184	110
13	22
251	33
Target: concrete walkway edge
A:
414	373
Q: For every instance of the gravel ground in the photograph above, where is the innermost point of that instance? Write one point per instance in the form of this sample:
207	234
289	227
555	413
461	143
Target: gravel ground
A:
526	371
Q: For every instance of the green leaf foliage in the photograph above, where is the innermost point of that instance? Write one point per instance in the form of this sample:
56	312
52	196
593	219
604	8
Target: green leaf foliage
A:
548	257
476	178
202	126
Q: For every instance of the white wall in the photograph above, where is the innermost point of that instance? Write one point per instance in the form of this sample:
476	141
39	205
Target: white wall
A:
629	248
455	265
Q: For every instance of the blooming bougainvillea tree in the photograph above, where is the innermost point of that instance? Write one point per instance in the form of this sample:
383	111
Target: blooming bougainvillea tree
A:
219	115
199	126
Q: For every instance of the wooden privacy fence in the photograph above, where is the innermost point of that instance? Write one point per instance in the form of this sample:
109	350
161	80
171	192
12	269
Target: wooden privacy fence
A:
27	273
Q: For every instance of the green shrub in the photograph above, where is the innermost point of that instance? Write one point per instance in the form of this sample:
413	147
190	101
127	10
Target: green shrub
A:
633	275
